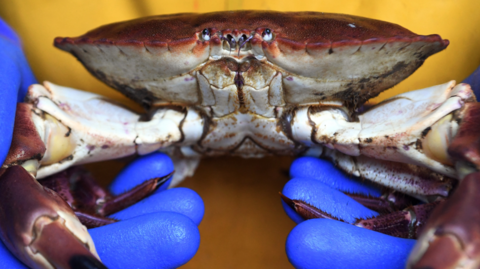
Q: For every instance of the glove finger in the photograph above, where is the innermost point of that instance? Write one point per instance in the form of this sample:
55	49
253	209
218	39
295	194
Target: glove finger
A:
10	80
7	260
7	32
325	172
321	243
15	77
16	64
27	77
325	198
157	240
144	168
180	200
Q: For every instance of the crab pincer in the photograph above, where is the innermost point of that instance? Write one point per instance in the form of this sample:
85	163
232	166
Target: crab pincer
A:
451	237
38	226
45	223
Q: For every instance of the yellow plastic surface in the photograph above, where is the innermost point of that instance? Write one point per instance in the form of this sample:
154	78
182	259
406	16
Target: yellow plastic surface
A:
39	22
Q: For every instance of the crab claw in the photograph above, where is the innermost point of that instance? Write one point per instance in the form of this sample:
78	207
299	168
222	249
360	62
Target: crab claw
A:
39	227
465	148
451	237
36	224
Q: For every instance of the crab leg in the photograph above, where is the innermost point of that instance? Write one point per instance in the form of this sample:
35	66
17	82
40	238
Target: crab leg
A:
406	224
389	202
79	127
91	203
399	140
37	225
416	181
407	128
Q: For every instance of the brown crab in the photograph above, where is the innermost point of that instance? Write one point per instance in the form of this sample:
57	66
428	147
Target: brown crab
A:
247	83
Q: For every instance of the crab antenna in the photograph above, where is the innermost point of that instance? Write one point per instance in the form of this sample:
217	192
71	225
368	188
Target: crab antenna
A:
243	43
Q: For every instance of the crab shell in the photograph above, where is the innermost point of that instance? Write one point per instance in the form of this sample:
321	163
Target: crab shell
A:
311	57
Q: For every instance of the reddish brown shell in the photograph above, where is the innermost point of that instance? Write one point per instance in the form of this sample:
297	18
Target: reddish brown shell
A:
295	28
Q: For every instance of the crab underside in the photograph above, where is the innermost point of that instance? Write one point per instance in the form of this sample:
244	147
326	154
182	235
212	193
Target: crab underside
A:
249	83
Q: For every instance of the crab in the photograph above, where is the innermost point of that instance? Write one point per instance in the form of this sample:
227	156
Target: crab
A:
246	83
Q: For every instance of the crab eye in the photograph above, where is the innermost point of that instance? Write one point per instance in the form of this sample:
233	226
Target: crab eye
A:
206	34
267	35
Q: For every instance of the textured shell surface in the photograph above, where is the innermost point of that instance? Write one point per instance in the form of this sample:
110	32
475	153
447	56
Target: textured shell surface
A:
311	57
246	71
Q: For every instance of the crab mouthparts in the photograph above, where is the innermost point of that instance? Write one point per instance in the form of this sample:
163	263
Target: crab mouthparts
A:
233	43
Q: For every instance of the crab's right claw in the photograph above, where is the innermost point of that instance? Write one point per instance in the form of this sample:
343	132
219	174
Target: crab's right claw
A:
451	237
39	227
36	224
465	148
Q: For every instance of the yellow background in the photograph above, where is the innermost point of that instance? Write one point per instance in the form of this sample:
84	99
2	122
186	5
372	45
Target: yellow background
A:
244	226
38	22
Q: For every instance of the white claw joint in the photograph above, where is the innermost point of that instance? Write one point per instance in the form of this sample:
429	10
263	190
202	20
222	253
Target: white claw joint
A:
414	127
396	143
80	127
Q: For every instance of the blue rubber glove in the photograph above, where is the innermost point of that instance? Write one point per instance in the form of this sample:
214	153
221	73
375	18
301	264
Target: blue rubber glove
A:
474	81
322	243
158	232
15	77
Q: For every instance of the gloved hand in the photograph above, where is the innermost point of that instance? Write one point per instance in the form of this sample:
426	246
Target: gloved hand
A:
158	232
323	243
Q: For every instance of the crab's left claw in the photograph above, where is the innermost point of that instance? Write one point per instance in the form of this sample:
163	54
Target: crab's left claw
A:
451	237
36	224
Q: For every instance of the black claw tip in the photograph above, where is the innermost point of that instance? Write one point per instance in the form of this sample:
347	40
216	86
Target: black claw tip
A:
85	262
164	179
287	200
